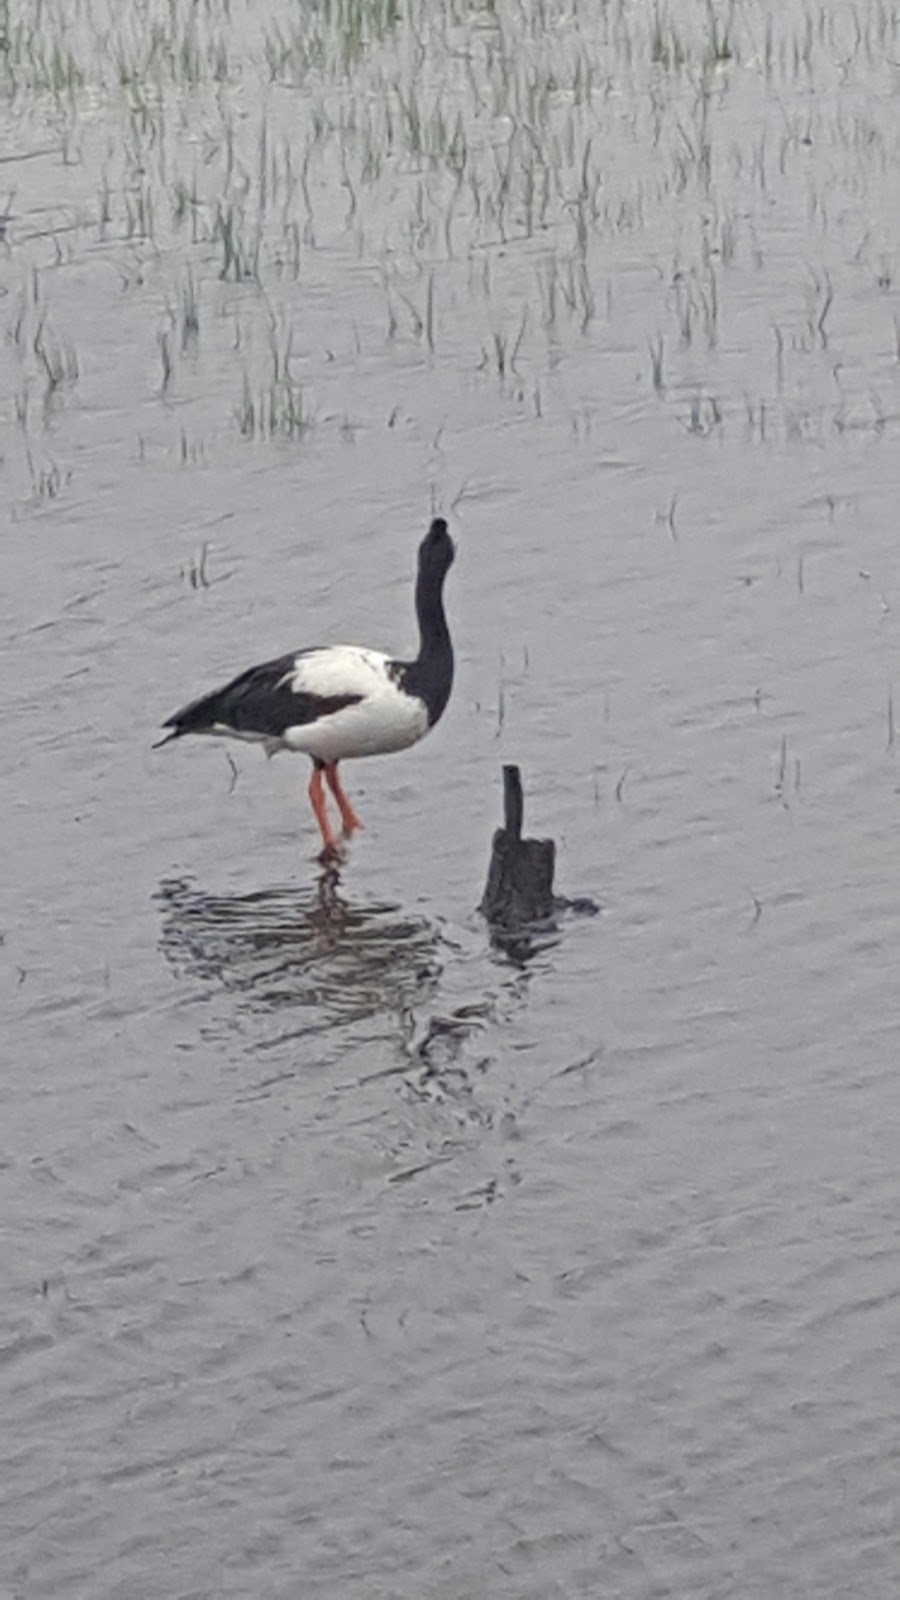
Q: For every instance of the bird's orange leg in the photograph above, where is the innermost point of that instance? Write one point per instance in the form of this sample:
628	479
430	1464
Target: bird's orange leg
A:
348	815
317	801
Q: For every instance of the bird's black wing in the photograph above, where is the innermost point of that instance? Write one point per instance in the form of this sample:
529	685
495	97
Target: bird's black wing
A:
259	701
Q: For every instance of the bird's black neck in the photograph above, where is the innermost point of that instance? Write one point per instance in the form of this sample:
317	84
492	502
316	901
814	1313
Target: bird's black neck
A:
434	635
430	676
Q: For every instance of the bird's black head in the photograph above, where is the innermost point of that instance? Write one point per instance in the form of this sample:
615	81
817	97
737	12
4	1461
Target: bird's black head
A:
436	551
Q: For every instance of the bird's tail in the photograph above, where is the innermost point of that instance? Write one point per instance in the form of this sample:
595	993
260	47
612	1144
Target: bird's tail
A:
198	717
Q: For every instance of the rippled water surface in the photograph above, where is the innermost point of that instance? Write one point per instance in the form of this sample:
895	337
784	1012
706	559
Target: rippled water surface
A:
345	1254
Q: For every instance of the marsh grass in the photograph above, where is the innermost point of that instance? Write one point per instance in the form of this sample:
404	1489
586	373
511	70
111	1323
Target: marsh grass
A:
486	167
275	407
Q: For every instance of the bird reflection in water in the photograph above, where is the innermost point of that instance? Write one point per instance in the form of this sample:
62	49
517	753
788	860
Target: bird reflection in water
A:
309	947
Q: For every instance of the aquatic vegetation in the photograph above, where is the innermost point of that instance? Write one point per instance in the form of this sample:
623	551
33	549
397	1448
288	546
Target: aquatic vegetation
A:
471	182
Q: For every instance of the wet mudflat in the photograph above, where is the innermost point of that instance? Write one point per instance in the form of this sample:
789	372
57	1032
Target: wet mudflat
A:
341	1254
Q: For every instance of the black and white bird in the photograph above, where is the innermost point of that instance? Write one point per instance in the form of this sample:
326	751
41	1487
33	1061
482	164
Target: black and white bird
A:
340	701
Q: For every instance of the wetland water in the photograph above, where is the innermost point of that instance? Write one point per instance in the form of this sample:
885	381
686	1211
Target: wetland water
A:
341	1256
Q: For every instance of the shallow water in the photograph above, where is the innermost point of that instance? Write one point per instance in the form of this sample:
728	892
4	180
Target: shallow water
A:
344	1255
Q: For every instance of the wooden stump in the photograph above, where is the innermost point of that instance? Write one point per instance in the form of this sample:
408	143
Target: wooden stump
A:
519	888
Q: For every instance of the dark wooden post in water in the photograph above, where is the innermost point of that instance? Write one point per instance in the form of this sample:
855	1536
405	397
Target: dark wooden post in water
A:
519	887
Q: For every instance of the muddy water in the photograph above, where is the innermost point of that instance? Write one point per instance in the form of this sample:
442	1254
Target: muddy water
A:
343	1255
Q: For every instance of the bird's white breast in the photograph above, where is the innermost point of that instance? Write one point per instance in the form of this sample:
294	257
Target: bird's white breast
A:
384	718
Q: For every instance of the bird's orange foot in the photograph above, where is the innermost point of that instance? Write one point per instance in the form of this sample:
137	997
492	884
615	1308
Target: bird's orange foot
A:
350	821
331	850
